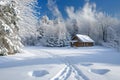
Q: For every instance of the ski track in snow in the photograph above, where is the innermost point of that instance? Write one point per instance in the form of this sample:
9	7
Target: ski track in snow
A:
63	74
67	70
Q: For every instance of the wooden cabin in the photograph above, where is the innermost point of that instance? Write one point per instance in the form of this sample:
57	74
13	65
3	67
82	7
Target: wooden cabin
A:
81	41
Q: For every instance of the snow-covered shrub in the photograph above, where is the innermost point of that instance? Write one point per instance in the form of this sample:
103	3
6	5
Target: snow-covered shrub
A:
9	39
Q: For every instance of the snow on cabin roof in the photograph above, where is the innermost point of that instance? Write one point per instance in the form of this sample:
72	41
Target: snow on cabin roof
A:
84	38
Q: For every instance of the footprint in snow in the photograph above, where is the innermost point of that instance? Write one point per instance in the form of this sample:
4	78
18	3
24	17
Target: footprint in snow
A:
38	73
99	71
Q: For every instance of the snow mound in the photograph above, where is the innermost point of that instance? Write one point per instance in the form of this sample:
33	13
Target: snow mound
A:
100	71
38	73
86	64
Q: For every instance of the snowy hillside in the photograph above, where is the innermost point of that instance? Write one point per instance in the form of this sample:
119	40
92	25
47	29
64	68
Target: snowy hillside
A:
42	63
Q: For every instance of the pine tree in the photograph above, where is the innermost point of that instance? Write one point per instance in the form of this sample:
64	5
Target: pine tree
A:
9	39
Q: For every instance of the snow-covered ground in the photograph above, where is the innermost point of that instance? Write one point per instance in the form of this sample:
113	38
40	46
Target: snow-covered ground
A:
41	63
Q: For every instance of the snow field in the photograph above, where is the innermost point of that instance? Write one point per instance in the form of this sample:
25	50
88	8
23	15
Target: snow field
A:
46	63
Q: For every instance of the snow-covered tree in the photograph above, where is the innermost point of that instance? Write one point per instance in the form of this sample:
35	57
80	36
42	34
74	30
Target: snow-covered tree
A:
9	39
28	21
52	32
81	21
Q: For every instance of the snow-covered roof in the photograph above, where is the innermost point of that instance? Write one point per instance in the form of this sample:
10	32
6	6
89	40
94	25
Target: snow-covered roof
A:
84	38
